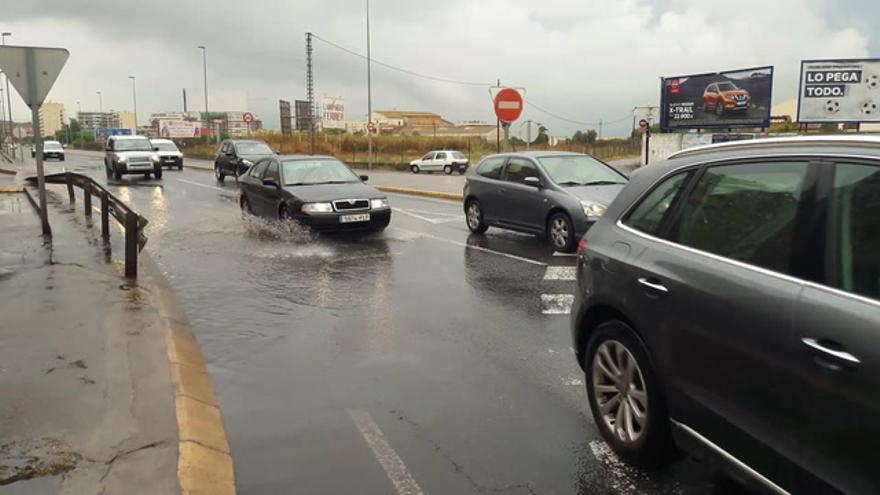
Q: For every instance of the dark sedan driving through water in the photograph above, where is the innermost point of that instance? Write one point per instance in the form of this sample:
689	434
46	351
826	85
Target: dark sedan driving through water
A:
317	191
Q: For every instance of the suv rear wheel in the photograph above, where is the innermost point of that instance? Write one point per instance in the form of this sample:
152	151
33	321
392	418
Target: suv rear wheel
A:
625	396
447	169
218	174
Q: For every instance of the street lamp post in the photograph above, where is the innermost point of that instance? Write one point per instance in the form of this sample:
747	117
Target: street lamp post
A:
369	97
100	102
205	76
8	98
134	98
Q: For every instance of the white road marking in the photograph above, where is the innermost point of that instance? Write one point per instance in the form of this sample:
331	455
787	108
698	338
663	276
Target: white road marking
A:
560	273
477	248
556	304
387	457
409	197
568	255
573	381
204	185
434	221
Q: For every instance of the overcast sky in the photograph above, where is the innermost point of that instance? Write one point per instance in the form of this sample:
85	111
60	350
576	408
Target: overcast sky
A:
583	60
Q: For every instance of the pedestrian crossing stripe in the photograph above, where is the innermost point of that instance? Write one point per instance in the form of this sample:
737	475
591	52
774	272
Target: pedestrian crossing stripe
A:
556	304
560	273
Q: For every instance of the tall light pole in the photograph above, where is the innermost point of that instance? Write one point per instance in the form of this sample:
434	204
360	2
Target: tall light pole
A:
134	97
100	102
369	97
8	97
205	75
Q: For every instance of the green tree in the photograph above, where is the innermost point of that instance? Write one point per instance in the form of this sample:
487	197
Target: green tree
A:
591	136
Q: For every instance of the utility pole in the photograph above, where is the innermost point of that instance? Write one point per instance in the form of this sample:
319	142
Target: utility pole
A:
600	128
135	99
498	127
369	97
205	76
9	101
2	115
100	104
310	93
184	100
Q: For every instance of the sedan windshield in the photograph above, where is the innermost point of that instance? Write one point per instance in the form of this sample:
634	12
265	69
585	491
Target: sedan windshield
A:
579	170
304	172
133	145
253	148
166	146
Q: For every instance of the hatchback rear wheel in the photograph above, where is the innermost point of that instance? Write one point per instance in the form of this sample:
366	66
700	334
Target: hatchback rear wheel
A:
625	397
414	169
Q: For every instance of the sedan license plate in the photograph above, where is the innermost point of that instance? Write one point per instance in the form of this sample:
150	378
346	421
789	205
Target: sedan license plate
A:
360	217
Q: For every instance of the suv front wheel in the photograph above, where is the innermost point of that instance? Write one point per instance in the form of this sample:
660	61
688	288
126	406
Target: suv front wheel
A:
218	173
625	396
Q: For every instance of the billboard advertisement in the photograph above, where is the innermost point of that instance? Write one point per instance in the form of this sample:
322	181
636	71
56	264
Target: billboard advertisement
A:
179	129
104	132
839	91
736	98
284	113
332	113
301	110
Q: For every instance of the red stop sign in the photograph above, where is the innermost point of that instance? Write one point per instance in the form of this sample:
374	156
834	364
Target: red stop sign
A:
248	117
508	105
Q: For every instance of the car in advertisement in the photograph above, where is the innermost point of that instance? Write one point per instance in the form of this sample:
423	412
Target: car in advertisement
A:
738	98
837	91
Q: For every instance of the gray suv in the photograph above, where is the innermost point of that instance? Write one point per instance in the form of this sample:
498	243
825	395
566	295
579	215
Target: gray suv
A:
729	302
553	194
131	155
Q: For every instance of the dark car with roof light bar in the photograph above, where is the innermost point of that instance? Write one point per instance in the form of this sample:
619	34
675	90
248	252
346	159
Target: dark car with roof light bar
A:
320	192
729	302
553	194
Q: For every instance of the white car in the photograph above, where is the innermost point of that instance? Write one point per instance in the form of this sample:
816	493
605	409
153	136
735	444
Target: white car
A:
51	149
169	154
446	160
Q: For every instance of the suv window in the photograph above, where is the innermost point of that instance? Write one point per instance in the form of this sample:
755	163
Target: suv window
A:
491	167
520	168
745	212
855	229
649	214
272	172
258	169
440	156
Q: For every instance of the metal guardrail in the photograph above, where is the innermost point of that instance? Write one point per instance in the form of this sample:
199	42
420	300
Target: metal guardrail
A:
133	224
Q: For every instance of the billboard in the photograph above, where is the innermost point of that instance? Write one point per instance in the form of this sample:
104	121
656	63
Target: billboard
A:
179	129
736	98
301	108
332	113
839	91
284	112
104	132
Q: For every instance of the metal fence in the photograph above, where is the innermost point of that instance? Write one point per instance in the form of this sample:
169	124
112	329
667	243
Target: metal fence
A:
132	223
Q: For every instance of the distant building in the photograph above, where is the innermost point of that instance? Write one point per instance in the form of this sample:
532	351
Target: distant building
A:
51	118
390	119
92	121
126	120
481	131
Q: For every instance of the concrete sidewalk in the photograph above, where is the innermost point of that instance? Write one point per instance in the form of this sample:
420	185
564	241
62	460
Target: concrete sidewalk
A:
92	400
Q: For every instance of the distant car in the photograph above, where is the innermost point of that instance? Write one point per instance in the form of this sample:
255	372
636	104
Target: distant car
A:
317	191
236	156
446	160
554	194
169	154
725	96
51	149
729	302
131	155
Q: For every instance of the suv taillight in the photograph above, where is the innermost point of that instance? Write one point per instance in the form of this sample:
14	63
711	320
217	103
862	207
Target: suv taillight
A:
582	246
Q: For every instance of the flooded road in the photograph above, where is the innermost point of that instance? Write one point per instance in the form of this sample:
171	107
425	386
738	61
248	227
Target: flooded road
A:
422	357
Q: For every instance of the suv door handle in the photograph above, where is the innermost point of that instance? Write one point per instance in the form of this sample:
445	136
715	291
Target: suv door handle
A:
840	355
654	285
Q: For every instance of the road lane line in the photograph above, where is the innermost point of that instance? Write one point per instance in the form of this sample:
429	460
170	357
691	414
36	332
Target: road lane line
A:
469	246
447	202
415	215
387	457
556	304
567	255
560	273
204	185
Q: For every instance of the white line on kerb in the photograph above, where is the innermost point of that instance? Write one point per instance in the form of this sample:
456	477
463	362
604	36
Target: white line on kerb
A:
205	185
560	273
556	304
387	457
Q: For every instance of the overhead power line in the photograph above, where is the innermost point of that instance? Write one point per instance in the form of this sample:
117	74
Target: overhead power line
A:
578	122
399	69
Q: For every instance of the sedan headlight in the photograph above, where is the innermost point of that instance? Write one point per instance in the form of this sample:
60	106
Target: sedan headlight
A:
592	209
246	162
317	208
375	204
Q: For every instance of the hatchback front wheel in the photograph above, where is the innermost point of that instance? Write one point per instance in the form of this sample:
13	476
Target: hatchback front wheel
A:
561	232
474	217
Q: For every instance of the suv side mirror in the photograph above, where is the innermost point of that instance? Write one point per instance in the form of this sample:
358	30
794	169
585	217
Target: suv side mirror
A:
270	182
532	181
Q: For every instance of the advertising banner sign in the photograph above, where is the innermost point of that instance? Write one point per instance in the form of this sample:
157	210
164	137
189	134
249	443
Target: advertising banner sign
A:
104	132
179	129
839	91
284	113
736	98
301	114
332	113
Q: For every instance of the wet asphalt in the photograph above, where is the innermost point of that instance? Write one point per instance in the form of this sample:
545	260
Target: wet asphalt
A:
417	360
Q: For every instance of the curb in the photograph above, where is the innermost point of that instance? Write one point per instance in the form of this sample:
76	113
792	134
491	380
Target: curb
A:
421	192
8	171
204	464
11	189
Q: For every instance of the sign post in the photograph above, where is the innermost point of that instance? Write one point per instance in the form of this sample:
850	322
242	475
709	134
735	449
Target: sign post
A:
645	129
33	71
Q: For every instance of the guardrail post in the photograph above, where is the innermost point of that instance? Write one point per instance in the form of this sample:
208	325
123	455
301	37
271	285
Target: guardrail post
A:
87	199
131	244
69	179
105	215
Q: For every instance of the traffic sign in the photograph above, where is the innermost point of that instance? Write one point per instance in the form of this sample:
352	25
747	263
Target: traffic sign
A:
32	70
248	117
644	126
371	127
508	105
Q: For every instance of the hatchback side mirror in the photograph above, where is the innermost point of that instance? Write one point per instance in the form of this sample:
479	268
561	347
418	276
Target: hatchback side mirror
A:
155	148
270	182
364	177
532	181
